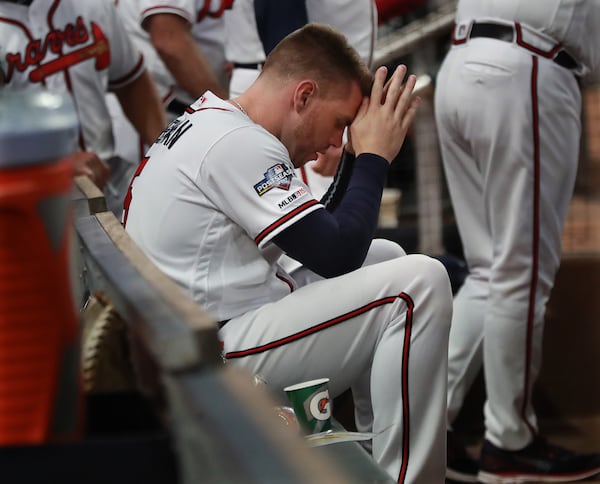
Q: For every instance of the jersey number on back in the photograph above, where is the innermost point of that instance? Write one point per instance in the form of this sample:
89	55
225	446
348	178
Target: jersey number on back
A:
127	200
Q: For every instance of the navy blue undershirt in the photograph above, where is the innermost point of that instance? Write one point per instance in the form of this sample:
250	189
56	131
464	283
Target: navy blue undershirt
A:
335	240
276	18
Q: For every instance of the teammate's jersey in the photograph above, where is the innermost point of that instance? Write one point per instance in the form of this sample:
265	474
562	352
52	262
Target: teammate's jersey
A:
242	43
356	19
207	28
213	229
47	45
573	23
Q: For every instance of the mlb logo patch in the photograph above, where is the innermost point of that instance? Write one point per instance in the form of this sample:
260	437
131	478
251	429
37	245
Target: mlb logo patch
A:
277	176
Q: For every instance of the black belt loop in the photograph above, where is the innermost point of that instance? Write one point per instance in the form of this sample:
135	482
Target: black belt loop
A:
492	31
256	66
563	58
507	33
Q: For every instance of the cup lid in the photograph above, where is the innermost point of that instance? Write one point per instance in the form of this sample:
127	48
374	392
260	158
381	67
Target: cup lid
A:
36	126
305	384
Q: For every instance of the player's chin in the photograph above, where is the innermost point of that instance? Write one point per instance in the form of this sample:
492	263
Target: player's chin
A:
313	156
303	160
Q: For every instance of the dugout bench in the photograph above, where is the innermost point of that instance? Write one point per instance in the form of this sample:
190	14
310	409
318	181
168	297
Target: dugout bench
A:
219	425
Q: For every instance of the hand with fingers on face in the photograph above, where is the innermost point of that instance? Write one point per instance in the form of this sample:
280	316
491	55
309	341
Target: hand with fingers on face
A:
383	120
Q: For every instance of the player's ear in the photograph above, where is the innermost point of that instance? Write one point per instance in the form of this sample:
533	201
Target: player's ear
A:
305	92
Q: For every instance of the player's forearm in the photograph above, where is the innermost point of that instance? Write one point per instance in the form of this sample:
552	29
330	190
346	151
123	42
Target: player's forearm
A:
192	72
332	244
142	106
170	36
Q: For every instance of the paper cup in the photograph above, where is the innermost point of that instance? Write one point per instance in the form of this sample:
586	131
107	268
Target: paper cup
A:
310	400
390	208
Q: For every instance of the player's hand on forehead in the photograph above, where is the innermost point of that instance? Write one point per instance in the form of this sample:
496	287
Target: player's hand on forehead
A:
383	119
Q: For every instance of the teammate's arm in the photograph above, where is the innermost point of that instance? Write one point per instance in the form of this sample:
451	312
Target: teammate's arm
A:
141	104
171	37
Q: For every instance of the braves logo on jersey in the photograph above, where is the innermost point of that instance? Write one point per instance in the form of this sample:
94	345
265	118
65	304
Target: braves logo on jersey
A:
277	176
36	51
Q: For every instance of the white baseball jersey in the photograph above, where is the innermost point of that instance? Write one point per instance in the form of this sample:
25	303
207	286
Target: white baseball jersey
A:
213	192
207	28
71	45
508	110
356	19
211	204
242	43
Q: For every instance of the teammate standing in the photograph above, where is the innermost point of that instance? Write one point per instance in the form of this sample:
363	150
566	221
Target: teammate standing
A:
508	109
183	46
82	48
216	202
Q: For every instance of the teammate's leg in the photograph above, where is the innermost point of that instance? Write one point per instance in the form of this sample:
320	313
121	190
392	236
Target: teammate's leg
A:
386	324
526	216
520	212
465	181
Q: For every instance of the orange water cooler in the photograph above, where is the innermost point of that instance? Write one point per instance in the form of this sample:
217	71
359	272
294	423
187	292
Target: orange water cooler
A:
40	398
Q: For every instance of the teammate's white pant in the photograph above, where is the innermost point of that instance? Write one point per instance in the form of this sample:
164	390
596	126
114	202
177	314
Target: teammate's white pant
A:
129	147
509	130
241	78
381	330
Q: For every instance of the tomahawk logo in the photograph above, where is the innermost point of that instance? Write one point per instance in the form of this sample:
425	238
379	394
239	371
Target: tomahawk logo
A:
278	176
37	51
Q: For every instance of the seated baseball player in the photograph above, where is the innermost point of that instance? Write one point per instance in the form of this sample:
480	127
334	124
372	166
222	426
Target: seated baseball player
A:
216	202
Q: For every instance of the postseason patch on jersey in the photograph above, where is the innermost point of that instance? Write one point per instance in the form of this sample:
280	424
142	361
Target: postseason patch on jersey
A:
278	176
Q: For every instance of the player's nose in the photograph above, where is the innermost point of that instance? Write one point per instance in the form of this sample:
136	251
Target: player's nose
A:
336	139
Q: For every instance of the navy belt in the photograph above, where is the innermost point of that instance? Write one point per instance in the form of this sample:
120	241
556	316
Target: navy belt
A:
507	33
176	107
240	65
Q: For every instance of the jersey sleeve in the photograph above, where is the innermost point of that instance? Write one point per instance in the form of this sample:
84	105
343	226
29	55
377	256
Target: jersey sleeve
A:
258	189
356	19
592	55
183	8
126	61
